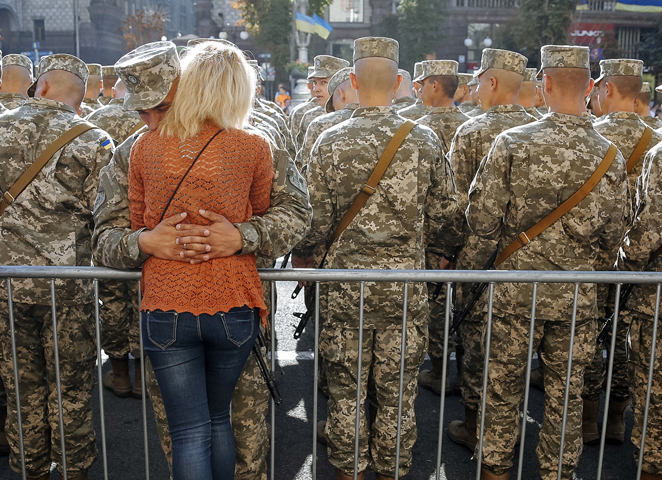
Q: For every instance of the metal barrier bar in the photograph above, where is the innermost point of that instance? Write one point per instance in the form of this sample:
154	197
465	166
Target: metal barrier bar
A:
403	356
444	372
316	375
651	368
272	341
488	342
527	381
143	385
102	410
358	386
12	333
58	384
610	371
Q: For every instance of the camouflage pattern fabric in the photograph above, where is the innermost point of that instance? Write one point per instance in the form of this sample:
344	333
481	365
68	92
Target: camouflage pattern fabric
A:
533	112
92	103
12	100
86	110
620	67
403	102
105	100
50	222
281	125
325	66
115	120
437	309
307	119
565	56
501	60
120	321
264	126
381	360
505	391
159	411
296	115
37	388
466	107
367	47
476	112
444	121
416	111
653	122
316	128
543	110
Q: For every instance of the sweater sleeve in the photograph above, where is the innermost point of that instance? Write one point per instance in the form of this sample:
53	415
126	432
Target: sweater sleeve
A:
260	194
136	188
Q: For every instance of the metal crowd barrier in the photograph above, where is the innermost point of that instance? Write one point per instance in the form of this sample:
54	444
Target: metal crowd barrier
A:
362	276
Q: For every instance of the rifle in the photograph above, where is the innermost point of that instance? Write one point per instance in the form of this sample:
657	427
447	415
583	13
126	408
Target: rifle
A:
304	318
285	260
266	374
608	324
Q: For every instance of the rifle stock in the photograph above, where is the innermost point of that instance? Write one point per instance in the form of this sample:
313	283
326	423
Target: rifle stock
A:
268	376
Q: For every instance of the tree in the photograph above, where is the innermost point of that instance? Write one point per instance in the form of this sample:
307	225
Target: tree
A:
144	26
650	51
543	22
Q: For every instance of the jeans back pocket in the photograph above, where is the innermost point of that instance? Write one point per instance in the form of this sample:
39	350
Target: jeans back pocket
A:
239	324
162	328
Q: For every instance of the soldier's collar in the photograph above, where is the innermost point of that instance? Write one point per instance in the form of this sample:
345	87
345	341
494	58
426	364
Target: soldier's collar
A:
443	110
116	101
505	109
90	101
623	115
350	106
51	104
363	112
565	118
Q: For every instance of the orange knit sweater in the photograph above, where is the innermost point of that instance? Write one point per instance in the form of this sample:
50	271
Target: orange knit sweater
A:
232	178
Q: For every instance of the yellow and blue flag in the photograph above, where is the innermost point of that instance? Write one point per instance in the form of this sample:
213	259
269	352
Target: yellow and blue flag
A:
106	144
304	23
641	6
322	28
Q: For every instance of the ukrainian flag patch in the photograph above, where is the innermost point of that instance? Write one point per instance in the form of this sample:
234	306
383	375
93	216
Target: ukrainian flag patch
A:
106	144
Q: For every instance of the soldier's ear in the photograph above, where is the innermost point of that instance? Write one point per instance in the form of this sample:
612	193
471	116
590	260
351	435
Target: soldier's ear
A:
352	78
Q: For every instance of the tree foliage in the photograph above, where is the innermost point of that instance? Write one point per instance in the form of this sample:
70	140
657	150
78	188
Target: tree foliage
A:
543	22
650	48
144	26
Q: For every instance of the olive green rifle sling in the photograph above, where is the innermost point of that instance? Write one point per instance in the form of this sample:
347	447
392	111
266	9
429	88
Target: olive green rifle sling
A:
33	170
640	148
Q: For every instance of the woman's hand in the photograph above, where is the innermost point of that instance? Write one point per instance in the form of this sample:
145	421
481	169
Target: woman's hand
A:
203	243
162	241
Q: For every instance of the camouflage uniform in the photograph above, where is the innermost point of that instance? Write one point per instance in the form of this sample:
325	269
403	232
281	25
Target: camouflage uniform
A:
416	111
653	122
113	119
533	112
444	121
511	193
403	102
390	230
307	119
466	107
297	113
269	236
644	240
12	100
49	224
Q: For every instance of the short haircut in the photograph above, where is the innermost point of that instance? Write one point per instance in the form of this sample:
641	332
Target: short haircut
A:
627	86
572	80
217	86
376	73
448	83
644	97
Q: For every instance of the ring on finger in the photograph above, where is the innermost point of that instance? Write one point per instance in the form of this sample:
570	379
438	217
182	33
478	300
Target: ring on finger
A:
185	248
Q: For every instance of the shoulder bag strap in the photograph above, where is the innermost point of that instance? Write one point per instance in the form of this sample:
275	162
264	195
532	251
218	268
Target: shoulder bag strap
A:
640	148
33	170
525	237
140	125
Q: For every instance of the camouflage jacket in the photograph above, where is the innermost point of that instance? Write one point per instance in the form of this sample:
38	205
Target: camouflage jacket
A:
416	111
271	235
475	112
466	107
307	119
105	100
297	113
12	100
530	171
645	237
316	128
113	119
653	122
470	145
444	121
415	198
262	123
50	223
542	110
281	125
533	112
624	129
403	102
89	106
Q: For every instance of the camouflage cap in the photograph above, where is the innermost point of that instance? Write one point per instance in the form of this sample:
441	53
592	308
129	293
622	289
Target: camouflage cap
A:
340	77
645	87
404	73
474	80
437	67
658	89
620	67
325	66
530	75
108	71
563	56
591	94
198	41
60	61
16	59
502	60
148	73
95	69
258	70
464	78
367	47
310	71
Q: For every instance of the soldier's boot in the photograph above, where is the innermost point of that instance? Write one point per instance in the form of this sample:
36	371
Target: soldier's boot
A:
650	476
4	443
464	433
321	436
485	474
137	388
616	422
118	380
342	476
431	379
537	379
379	476
590	432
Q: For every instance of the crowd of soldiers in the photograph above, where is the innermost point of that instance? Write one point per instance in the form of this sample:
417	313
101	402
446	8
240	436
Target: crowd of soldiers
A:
472	163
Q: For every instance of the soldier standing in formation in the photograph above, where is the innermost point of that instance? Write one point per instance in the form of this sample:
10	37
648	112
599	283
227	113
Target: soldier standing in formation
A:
297	112
641	107
16	79
108	81
463	93
404	95
418	109
527	93
93	90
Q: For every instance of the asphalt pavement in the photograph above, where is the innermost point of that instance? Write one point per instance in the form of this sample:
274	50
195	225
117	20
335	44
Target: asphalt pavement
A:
294	426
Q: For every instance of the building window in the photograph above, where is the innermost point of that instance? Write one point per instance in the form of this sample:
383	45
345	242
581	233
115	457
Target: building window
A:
342	49
39	31
346	11
628	39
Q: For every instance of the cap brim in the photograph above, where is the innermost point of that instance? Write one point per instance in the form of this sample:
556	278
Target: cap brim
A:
321	74
658	88
329	105
141	101
419	79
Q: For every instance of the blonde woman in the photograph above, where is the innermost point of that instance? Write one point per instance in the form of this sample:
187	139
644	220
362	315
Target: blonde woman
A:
200	321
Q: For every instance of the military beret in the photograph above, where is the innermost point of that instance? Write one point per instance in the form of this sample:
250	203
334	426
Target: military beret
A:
95	69
16	59
645	87
502	60
620	67
367	47
198	41
464	78
60	61
148	73
530	75
325	66
108	71
437	67
564	56
340	77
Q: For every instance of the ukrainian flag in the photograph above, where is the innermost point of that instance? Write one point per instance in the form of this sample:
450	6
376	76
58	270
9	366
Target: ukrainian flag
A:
641	6
322	28
304	23
583	5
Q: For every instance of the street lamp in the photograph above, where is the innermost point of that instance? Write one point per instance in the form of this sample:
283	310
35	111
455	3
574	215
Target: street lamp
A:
244	35
223	35
487	42
468	42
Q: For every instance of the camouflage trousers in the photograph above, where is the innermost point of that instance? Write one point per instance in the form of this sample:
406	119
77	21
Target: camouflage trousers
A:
470	336
381	361
3	394
120	318
37	388
437	310
641	343
505	391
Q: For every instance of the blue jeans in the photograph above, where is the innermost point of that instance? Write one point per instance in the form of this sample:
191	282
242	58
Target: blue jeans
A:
197	360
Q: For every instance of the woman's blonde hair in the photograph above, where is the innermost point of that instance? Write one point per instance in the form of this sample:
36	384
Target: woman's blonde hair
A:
217	87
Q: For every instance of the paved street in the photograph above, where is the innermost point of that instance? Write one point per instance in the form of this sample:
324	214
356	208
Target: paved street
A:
294	426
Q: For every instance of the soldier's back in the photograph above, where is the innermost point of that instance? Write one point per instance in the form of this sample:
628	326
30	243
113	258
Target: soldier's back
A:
12	100
415	111
112	118
444	121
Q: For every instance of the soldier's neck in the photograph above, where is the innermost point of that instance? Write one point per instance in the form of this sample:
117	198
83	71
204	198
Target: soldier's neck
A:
375	99
566	107
620	105
441	102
